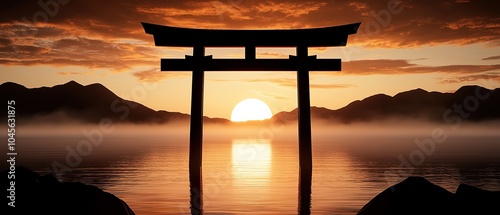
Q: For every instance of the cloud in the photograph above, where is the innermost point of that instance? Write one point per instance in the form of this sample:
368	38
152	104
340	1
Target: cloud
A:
358	6
291	82
472	78
155	75
318	49
88	33
271	55
370	67
492	58
24	49
455	69
199	9
288	9
51	47
330	86
75	73
270	95
424	22
392	67
5	42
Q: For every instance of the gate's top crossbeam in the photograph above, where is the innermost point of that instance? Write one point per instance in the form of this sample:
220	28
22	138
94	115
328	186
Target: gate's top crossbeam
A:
188	37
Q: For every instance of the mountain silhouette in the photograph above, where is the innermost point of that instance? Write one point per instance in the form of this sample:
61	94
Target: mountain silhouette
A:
469	103
89	104
94	102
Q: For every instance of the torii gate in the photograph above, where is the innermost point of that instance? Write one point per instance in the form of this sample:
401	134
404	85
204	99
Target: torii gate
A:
302	39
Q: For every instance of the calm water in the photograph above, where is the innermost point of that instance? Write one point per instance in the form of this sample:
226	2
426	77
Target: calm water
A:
260	176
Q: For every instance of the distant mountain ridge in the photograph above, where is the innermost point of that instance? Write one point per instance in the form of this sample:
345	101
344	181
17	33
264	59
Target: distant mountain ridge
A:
94	102
89	104
469	103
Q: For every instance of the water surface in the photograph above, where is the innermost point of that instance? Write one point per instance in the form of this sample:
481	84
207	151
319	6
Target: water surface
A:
261	176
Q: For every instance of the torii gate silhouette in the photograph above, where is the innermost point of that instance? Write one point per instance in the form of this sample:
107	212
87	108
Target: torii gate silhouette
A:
302	39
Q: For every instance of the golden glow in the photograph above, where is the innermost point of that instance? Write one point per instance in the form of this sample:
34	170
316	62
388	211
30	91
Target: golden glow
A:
250	109
251	161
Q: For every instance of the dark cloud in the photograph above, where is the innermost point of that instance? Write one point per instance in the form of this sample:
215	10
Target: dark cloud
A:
403	22
17	30
5	42
430	23
78	51
89	33
7	51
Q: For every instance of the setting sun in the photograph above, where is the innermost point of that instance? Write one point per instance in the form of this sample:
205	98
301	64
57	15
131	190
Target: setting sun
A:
250	109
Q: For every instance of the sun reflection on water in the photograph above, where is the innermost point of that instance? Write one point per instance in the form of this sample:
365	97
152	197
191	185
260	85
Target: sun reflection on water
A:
251	161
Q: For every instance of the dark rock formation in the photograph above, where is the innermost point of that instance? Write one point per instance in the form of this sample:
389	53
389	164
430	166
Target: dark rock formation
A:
35	194
473	200
416	195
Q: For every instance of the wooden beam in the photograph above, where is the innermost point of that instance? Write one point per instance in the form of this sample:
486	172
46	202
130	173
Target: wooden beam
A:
312	37
250	52
209	64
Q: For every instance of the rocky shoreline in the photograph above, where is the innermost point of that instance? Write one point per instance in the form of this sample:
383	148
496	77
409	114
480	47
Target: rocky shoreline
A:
412	196
416	195
35	194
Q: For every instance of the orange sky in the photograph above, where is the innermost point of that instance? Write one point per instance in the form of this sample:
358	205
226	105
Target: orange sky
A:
431	44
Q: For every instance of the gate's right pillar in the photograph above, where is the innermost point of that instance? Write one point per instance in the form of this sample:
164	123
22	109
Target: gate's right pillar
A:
305	150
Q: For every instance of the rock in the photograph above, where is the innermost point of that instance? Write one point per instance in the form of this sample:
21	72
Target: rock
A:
35	194
416	195
413	196
473	200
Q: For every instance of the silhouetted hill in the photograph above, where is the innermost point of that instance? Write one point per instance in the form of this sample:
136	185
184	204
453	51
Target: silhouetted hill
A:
469	103
416	195
94	102
90	103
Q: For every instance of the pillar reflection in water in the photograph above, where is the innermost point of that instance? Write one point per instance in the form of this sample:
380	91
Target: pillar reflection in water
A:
196	192
305	178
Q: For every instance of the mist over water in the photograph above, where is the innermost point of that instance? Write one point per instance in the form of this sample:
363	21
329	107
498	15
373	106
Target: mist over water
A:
253	168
